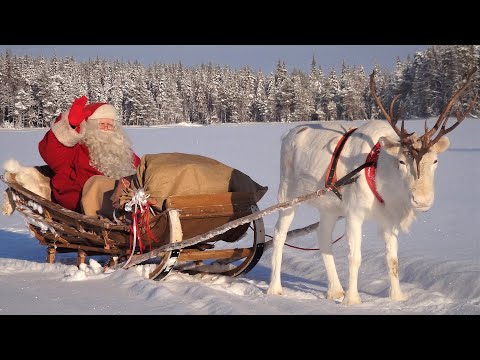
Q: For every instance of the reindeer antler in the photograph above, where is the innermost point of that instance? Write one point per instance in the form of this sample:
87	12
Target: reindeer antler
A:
418	151
444	116
391	118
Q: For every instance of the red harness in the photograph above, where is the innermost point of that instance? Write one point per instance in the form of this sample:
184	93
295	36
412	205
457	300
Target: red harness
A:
370	170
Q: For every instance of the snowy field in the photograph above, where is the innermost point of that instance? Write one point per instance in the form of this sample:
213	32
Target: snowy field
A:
439	259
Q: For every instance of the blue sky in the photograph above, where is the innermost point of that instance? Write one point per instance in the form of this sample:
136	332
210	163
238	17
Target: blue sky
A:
258	57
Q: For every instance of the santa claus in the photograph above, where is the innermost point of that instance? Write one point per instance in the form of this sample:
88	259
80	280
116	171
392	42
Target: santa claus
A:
84	141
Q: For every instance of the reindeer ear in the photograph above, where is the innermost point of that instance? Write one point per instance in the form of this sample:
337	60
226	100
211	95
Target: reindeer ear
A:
441	145
388	142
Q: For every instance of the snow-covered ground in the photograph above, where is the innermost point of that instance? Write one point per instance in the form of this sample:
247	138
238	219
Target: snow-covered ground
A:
439	258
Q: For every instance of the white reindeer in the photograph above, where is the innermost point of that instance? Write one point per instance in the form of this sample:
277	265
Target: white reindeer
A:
403	180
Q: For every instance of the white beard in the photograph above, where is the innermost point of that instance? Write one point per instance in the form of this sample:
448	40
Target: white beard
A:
110	151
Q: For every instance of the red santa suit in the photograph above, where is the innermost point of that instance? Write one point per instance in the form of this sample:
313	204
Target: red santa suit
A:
63	151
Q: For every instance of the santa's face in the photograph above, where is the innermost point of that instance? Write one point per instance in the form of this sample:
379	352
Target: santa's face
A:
109	147
106	124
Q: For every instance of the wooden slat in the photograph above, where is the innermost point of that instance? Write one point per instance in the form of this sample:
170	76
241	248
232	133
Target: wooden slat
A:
88	249
48	240
68	230
189	213
64	239
223	204
194	255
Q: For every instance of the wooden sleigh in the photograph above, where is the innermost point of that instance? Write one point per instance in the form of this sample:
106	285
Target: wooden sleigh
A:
180	217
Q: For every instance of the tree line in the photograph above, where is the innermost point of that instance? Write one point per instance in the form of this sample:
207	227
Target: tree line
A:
34	90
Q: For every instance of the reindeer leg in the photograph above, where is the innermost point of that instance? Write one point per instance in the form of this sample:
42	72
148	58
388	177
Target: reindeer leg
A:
324	237
284	221
353	233
391	248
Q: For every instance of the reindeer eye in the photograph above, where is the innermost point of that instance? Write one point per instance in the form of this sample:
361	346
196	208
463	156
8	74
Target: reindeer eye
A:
435	161
401	162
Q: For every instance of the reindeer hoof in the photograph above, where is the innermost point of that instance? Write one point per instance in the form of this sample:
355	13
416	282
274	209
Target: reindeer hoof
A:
398	296
275	290
352	299
335	294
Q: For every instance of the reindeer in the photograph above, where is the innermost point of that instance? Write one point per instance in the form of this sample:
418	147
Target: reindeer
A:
397	183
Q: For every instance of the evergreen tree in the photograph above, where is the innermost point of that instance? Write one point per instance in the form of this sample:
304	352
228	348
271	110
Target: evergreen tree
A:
330	101
33	91
316	90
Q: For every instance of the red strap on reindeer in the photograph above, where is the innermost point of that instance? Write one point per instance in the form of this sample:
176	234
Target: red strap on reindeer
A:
370	166
370	171
331	178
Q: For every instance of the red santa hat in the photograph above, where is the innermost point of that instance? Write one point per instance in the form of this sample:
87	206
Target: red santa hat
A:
102	111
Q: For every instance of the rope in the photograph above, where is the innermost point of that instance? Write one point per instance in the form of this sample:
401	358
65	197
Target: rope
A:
306	249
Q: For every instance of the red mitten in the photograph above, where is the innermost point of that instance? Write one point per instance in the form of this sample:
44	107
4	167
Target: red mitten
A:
77	112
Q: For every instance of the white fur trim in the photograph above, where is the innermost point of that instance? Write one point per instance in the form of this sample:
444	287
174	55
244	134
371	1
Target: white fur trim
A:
65	133
105	111
12	165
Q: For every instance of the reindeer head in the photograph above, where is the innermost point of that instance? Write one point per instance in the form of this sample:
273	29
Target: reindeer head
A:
416	155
